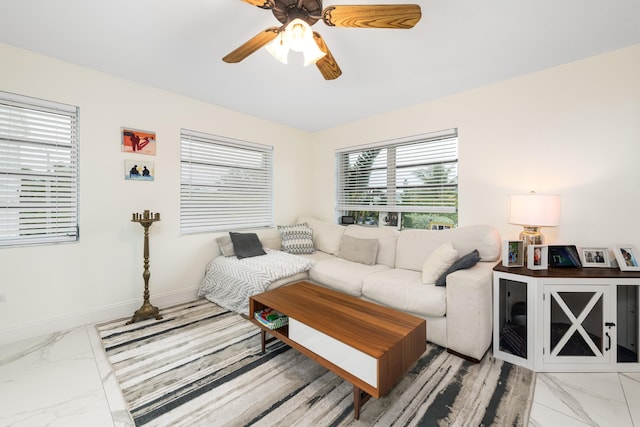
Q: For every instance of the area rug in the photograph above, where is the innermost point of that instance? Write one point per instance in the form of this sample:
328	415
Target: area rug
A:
201	366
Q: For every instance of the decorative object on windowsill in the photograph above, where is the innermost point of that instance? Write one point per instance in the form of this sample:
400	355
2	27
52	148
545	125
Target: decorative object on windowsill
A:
537	257
534	211
513	253
627	257
298	16
146	310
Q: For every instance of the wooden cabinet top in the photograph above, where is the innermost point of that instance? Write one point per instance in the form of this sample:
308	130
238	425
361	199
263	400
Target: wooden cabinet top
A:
581	273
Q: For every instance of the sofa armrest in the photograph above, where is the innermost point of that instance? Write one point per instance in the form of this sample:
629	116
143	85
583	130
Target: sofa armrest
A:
470	310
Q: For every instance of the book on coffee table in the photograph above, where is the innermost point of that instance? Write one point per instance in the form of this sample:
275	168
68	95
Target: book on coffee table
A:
271	318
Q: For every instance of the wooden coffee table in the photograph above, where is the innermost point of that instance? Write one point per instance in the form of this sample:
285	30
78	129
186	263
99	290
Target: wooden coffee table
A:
366	344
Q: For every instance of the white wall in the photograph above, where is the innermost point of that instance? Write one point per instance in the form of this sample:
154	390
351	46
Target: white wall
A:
573	130
52	287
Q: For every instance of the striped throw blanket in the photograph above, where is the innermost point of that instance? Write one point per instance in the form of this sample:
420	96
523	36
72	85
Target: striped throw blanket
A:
229	281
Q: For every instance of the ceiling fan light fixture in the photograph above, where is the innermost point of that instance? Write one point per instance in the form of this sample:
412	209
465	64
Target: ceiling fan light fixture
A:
297	34
312	53
299	37
278	48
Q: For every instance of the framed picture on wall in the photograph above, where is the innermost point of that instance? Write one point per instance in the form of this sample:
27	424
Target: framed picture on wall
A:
537	257
138	141
627	257
513	253
139	170
595	257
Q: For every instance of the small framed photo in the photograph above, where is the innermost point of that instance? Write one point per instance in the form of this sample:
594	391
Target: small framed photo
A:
138	141
537	257
627	257
139	170
595	257
564	256
513	253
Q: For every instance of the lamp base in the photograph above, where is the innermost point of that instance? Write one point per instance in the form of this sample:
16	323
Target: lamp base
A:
531	235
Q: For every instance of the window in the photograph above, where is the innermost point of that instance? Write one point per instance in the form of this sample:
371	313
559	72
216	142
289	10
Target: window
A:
410	183
38	171
225	184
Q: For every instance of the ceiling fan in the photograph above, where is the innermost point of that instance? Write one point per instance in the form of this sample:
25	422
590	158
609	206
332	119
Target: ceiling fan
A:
297	16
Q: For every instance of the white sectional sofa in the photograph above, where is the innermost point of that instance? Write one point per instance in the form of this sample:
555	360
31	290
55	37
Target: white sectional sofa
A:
459	314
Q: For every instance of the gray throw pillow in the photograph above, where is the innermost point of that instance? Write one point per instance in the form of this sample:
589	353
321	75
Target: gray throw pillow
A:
246	245
464	262
364	251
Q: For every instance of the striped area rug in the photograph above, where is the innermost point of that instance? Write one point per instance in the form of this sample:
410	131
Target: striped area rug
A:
200	366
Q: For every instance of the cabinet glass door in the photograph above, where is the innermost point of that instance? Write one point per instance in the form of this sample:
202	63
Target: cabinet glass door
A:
627	323
512	312
575	318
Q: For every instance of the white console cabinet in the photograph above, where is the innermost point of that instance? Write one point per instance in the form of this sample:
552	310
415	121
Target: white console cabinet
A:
567	319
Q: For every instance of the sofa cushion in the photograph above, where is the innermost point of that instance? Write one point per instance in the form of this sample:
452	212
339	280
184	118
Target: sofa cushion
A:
364	251
246	245
326	236
404	290
226	245
297	239
462	263
414	246
342	275
438	262
387	238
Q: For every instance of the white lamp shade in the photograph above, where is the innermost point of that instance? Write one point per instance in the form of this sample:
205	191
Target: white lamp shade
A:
299	37
535	210
278	48
312	53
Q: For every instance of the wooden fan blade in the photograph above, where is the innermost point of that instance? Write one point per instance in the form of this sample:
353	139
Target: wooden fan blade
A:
262	4
252	45
401	16
327	64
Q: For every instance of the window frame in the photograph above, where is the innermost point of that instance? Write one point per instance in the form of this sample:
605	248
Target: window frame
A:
207	205
389	190
39	171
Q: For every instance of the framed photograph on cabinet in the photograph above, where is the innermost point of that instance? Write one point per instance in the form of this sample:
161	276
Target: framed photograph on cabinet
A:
537	257
513	253
595	257
564	256
627	257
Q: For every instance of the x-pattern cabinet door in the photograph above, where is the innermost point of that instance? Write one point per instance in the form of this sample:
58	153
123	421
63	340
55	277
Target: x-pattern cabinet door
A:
577	324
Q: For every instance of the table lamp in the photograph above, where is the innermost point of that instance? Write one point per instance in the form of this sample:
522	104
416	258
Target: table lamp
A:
534	211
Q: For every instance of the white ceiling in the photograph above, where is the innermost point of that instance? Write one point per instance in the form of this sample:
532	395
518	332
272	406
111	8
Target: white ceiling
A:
458	45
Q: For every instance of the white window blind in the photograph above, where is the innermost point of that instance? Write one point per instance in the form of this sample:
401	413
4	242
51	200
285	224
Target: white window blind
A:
225	184
38	171
417	174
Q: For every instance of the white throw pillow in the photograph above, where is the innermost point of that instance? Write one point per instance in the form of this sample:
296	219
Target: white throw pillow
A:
438	262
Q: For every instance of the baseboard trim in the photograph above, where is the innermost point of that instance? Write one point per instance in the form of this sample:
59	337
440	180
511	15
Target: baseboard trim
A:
88	317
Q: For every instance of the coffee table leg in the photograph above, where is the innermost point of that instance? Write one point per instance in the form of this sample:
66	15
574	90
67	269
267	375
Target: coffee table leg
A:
359	398
263	336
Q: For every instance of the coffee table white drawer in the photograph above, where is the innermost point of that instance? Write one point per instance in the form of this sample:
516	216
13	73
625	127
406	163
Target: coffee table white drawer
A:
340	354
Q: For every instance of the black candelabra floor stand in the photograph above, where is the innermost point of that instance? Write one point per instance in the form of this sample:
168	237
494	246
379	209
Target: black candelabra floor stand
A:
146	310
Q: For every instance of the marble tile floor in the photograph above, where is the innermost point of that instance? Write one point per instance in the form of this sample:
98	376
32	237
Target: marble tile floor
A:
64	379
